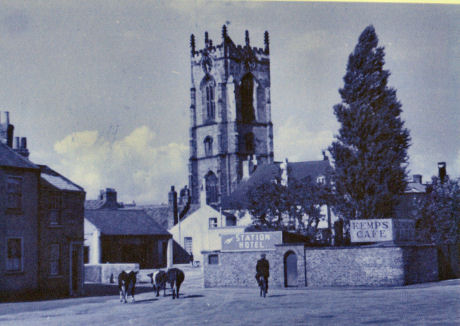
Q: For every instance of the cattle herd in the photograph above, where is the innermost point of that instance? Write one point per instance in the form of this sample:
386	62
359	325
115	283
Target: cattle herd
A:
159	279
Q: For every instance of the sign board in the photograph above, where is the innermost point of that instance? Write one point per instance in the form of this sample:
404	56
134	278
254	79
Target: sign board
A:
251	241
378	230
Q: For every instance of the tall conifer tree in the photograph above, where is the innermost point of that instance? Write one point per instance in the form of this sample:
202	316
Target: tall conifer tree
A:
370	151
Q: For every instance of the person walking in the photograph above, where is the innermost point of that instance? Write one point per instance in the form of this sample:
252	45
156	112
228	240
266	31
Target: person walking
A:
263	270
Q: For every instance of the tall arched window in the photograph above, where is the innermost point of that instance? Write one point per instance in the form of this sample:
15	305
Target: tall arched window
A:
249	142
208	146
247	92
211	188
208	90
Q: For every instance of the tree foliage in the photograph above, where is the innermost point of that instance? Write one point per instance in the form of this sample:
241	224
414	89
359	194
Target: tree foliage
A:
370	151
439	213
296	206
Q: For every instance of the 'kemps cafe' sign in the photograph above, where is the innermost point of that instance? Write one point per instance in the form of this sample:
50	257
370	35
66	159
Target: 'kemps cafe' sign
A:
251	241
377	230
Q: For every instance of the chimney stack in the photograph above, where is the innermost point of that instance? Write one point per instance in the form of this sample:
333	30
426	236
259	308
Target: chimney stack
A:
172	202
109	196
417	178
20	146
6	129
442	171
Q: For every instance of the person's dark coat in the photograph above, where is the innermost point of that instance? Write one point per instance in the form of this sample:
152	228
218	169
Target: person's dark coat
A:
263	267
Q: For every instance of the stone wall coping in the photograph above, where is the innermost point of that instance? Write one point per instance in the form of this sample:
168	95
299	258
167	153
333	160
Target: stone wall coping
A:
375	246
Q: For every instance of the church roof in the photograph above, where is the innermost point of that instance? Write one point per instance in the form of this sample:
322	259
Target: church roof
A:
313	169
124	222
270	172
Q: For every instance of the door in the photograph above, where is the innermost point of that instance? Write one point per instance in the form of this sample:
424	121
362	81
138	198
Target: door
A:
76	264
290	269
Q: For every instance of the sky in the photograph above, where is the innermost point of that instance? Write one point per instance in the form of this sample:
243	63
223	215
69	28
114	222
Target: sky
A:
101	89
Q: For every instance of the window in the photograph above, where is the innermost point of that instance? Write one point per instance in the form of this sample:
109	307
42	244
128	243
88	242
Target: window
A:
86	253
208	91
210	105
249	142
247	106
230	221
14	193
213	259
14	255
212	222
211	189
55	259
54	207
208	146
188	244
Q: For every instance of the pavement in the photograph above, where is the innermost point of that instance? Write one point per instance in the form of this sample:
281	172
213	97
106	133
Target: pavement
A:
436	303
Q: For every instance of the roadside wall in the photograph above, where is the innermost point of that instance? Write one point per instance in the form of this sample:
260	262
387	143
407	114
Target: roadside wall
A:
107	273
374	266
324	267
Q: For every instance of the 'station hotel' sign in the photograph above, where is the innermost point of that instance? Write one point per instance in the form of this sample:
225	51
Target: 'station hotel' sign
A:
251	241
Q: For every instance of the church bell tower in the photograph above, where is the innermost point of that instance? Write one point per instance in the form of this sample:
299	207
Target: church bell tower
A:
230	114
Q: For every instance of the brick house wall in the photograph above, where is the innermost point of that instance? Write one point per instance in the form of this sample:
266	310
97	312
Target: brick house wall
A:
23	224
67	232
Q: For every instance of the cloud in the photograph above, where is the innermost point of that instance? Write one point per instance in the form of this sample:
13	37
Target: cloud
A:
295	142
136	166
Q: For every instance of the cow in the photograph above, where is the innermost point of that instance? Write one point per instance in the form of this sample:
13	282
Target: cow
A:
126	285
158	280
175	277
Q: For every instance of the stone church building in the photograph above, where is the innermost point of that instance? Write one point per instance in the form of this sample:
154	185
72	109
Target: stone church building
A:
231	128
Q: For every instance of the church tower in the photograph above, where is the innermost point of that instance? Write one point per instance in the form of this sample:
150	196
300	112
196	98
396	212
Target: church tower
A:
230	117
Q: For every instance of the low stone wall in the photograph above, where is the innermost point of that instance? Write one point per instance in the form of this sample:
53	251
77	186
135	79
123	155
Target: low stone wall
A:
324	267
370	266
233	269
238	269
106	273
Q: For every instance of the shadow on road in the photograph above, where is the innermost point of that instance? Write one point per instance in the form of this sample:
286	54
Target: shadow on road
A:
193	296
99	289
145	301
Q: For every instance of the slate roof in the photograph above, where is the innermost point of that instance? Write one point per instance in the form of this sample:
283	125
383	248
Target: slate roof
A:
57	180
101	204
9	158
158	213
94	203
300	170
162	213
269	172
124	222
415	187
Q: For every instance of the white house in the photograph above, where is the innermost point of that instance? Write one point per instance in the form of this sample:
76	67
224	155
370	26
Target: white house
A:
201	230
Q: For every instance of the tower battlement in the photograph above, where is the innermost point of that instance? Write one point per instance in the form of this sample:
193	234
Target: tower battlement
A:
227	46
